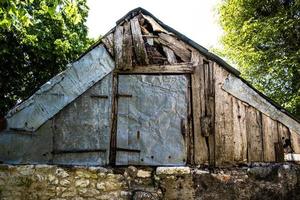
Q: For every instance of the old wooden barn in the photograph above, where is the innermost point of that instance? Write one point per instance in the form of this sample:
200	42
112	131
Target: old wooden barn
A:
148	95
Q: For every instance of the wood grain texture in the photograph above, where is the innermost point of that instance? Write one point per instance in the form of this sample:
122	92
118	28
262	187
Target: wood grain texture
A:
224	137
270	137
254	135
138	42
239	131
185	68
127	53
200	145
108	42
295	140
113	125
118	46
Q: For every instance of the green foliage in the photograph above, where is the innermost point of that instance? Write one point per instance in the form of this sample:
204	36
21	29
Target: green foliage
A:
37	39
263	38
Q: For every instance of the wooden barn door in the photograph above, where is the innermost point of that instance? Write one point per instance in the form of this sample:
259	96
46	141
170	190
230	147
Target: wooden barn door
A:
152	113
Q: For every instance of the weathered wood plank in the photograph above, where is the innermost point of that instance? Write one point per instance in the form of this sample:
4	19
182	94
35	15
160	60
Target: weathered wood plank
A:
170	55
127	53
224	137
118	46
138	42
270	136
236	87
160	69
113	122
295	141
179	47
279	152
108	42
254	135
284	136
239	131
200	145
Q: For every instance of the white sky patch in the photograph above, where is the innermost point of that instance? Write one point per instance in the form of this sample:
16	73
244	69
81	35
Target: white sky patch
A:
194	18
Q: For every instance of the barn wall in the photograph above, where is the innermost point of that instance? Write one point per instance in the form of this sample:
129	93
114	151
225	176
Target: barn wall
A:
244	133
20	147
77	135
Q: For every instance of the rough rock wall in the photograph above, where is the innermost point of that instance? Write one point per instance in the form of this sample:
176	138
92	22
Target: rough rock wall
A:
62	183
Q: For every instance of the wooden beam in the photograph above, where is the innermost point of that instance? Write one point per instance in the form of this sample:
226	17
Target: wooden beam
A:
138	42
127	53
200	144
159	69
113	123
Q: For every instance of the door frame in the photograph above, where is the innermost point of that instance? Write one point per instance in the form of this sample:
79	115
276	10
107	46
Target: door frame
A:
160	70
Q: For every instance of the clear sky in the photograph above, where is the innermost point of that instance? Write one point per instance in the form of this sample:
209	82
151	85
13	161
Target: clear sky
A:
194	18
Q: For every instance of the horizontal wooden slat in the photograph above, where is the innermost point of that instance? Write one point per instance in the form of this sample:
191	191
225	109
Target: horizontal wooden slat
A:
160	69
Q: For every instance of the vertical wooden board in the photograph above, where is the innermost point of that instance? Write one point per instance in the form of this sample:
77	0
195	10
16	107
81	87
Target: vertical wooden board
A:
270	136
284	136
254	135
108	41
295	140
210	108
127	47
224	146
239	131
138	42
113	122
201	150
118	46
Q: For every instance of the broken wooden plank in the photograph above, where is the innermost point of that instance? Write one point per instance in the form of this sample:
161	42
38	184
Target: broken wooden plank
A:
179	47
270	136
239	131
118	46
138	42
170	55
127	53
254	135
108	42
155	26
200	146
160	69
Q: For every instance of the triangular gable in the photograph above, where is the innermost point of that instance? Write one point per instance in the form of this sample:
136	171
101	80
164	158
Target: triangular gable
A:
61	90
127	44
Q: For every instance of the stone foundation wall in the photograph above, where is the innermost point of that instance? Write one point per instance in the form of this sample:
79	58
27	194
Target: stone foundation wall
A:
32	182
